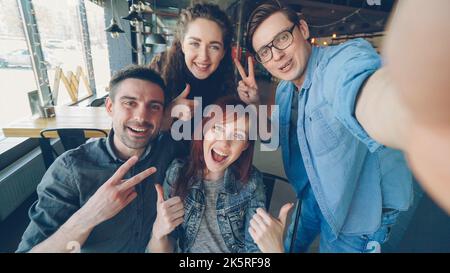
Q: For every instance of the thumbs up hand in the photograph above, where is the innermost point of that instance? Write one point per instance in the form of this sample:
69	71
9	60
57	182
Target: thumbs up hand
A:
267	231
182	107
169	214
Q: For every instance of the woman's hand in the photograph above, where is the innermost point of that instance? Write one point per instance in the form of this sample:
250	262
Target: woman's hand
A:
247	87
182	107
170	214
267	231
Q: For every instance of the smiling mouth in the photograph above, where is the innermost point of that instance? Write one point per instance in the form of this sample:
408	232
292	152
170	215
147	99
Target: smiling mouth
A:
139	131
286	65
218	156
202	67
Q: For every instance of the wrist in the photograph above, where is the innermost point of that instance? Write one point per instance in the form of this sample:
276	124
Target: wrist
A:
157	235
87	219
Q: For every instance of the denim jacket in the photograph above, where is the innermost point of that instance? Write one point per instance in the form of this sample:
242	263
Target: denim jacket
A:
236	205
352	176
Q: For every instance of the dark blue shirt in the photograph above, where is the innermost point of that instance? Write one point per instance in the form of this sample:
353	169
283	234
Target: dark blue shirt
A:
77	174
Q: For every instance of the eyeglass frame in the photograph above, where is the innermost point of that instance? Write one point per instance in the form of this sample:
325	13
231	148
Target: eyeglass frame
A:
270	45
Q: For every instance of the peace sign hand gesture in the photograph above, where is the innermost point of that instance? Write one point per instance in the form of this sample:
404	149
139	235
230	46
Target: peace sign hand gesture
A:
247	87
115	194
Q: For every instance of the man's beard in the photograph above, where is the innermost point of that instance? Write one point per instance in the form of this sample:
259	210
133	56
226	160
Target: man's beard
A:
131	143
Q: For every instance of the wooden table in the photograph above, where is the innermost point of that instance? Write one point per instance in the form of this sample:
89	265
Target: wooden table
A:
66	117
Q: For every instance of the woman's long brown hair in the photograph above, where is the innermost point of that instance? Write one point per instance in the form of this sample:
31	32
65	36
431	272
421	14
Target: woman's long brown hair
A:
173	70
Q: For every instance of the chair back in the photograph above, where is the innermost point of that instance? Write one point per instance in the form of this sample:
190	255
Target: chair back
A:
70	138
279	192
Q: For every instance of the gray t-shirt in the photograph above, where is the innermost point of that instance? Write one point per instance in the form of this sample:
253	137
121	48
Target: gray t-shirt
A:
209	238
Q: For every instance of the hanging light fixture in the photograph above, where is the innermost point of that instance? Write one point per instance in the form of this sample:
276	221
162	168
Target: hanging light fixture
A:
155	38
134	16
114	28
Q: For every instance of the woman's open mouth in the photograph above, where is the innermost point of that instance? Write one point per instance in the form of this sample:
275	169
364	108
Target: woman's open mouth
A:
202	67
218	156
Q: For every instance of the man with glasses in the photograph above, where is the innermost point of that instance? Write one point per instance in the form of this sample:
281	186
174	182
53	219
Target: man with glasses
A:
335	114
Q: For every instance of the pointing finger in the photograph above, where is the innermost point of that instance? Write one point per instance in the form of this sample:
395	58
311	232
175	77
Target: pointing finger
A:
137	178
251	69
122	170
240	68
159	193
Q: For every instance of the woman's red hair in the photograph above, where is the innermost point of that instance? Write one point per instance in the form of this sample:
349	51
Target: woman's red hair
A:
195	166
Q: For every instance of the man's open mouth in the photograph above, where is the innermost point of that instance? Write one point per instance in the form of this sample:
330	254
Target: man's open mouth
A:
138	131
286	66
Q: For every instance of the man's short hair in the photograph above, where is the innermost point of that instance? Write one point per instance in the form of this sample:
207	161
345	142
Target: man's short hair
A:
135	72
264	11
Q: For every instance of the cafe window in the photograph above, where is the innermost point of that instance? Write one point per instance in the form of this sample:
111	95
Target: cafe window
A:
16	74
99	47
60	32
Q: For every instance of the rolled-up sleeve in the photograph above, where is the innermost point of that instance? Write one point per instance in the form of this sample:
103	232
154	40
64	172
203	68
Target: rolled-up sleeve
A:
58	199
350	65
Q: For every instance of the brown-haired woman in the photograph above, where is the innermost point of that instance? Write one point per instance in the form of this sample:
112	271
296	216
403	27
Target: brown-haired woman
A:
199	62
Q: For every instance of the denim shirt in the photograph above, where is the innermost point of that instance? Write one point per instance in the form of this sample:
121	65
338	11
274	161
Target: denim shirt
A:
236	204
352	176
77	174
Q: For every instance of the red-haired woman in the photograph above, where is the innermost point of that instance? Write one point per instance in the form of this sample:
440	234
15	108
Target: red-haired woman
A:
213	196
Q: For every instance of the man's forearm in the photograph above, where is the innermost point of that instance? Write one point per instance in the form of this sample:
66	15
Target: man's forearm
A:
381	113
70	236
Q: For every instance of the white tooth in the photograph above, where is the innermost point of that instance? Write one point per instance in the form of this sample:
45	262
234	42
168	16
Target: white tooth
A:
219	153
138	130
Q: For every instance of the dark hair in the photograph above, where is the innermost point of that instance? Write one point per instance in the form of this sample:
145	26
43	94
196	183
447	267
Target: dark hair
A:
193	169
134	72
173	70
264	11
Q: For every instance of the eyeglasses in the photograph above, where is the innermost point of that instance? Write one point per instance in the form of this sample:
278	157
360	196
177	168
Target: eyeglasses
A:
282	41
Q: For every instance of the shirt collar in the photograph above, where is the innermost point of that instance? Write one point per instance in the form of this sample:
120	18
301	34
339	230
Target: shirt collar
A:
313	62
112	151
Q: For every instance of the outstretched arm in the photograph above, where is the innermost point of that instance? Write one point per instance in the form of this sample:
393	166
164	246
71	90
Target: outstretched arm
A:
380	111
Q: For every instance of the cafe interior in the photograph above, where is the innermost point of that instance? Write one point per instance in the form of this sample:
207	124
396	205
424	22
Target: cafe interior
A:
57	57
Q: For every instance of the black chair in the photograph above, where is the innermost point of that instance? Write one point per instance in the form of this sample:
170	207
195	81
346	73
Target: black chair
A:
98	102
270	181
70	138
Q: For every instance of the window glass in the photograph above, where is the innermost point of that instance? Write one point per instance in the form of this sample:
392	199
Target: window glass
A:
16	74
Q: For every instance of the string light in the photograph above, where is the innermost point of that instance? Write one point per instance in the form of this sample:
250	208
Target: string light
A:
342	20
